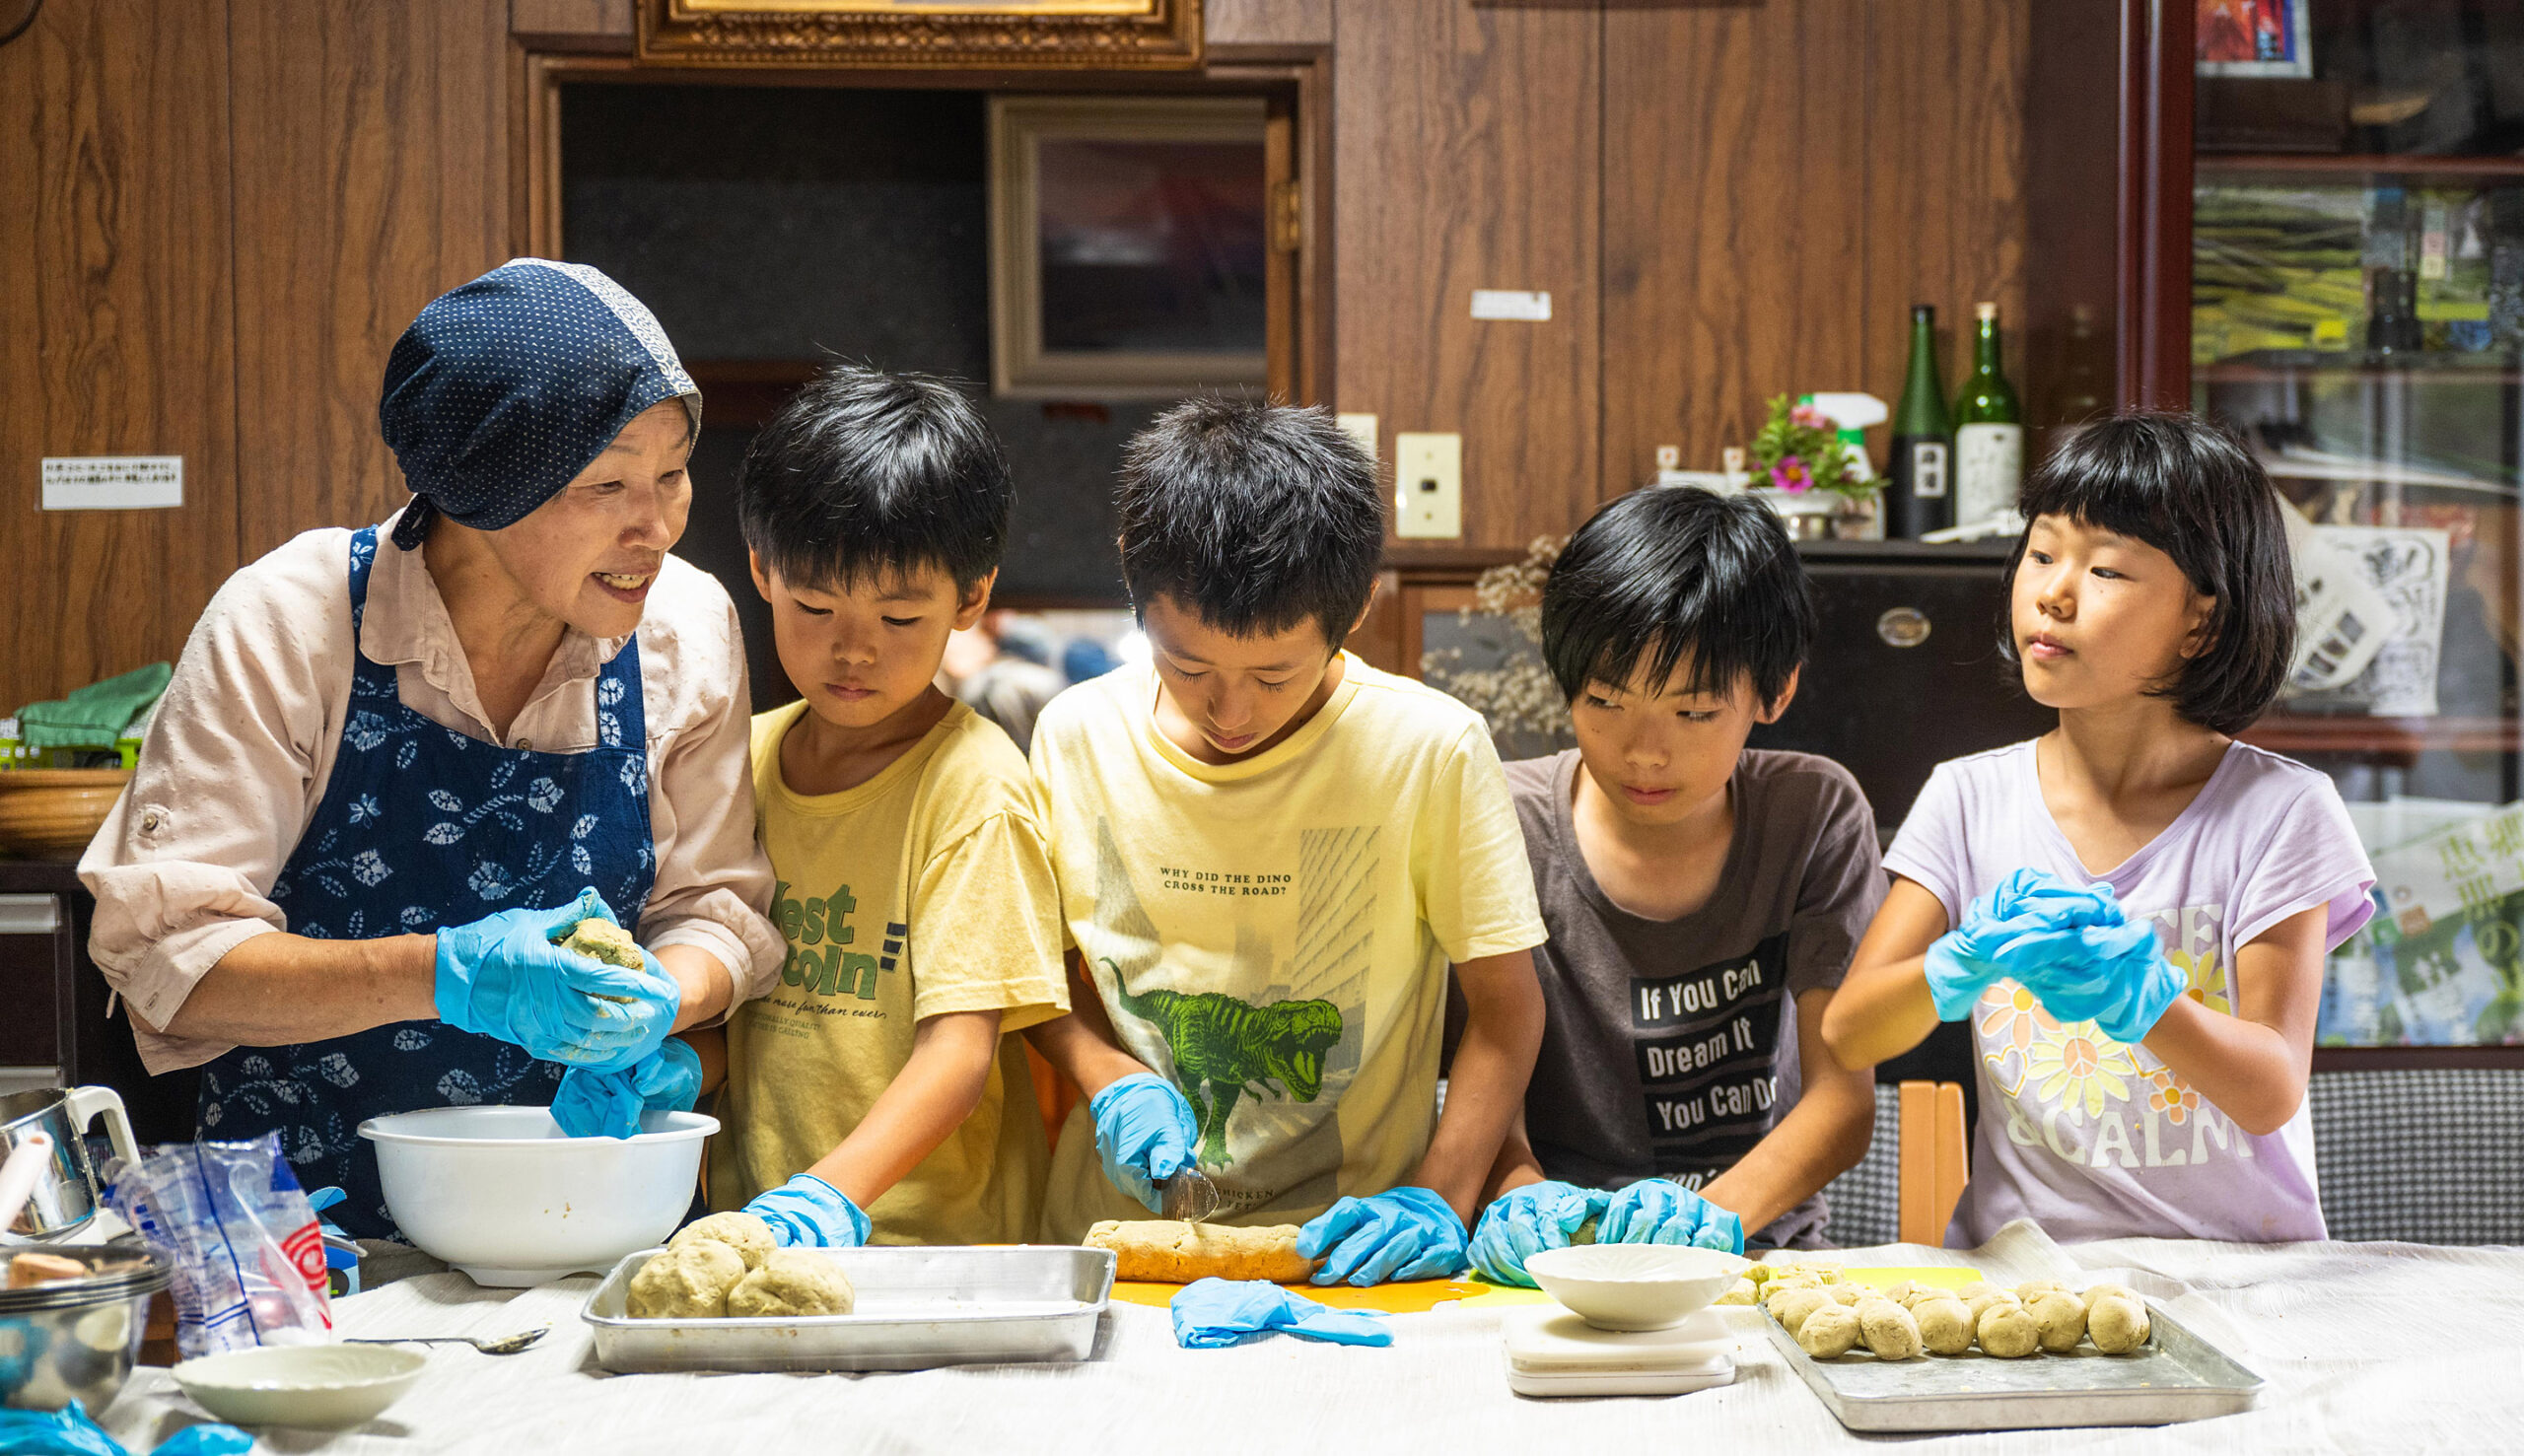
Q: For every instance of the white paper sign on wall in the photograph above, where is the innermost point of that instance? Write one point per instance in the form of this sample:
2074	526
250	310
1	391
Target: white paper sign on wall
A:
1512	305
112	482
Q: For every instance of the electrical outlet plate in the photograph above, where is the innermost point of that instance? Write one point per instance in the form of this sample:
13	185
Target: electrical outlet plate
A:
1428	487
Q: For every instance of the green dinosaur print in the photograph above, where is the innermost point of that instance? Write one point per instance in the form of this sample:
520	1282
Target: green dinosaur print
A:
1224	1047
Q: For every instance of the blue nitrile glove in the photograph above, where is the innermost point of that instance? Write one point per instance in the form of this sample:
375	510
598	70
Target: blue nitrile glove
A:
503	976
1964	961
2116	976
1144	1132
609	1104
1660	1210
69	1432
1523	1222
1405	1233
1212	1312
806	1213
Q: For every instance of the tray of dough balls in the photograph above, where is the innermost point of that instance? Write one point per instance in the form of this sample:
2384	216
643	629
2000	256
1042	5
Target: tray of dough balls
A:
1983	1357
720	1297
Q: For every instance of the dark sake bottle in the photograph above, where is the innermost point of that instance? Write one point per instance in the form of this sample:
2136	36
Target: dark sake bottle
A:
1919	496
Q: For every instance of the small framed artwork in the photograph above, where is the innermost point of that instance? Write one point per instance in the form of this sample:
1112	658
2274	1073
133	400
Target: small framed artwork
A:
1130	246
933	34
2254	37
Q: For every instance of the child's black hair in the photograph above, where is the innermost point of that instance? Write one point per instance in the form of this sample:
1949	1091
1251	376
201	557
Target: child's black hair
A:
2194	492
1254	517
869	476
1658	576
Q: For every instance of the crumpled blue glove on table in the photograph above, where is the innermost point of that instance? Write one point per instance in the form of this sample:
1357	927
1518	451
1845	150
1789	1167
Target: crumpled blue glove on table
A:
1404	1233
504	976
1660	1210
1145	1133
806	1213
1212	1313
609	1104
1523	1222
69	1432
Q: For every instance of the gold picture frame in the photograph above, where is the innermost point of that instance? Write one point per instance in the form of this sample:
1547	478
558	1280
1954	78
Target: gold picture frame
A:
1022	365
929	35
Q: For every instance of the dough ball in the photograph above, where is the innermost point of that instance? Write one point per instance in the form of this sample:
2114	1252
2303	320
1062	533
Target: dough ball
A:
1945	1325
1761	1274
749	1236
1890	1331
686	1283
2032	1289
1989	1298
1830	1331
1745	1292
2118	1326
2097	1292
1903	1292
1792	1306
2062	1319
1981	1286
2008	1332
791	1283
1851	1295
603	940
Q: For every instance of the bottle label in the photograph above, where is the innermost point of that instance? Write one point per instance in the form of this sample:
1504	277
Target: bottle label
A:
1989	470
1928	470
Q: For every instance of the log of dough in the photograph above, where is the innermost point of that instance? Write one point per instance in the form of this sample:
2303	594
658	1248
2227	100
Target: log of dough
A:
1166	1251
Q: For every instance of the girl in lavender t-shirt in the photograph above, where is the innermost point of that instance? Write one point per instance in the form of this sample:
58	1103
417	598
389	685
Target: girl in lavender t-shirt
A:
2151	603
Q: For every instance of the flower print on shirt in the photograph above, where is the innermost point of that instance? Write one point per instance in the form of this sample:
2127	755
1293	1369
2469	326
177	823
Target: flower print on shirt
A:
2078	1067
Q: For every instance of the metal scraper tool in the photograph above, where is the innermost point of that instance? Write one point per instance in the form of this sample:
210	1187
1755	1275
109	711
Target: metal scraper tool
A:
1190	1196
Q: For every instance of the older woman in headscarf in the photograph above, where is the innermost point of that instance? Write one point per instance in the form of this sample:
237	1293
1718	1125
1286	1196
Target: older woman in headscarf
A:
397	764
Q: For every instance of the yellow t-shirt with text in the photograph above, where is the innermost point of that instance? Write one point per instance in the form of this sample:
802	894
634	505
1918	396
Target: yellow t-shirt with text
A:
923	891
1272	934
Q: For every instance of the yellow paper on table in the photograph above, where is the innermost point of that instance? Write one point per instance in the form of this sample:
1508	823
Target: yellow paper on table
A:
1934	1275
1411	1296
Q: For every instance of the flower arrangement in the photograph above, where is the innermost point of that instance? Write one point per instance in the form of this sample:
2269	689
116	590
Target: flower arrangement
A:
1800	449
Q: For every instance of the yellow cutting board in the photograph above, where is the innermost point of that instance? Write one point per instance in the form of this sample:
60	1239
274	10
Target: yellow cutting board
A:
1938	1276
1414	1296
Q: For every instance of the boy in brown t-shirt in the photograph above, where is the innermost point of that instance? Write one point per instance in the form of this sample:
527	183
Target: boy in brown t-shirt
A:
1703	901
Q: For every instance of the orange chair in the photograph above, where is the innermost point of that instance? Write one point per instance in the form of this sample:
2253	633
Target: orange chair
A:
1933	1169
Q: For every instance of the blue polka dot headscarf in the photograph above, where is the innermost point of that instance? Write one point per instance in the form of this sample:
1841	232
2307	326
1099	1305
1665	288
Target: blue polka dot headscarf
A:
505	388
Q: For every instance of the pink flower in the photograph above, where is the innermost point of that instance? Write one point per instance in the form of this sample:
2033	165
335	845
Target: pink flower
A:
1807	417
1791	474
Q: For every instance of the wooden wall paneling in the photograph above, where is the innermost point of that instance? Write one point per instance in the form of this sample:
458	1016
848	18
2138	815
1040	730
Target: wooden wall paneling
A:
2072	104
373	173
1945	181
1268	22
1735	225
114	330
607	25
1469	142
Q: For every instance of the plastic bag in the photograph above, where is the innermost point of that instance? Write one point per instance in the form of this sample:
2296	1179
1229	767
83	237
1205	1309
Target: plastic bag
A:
249	1255
69	1432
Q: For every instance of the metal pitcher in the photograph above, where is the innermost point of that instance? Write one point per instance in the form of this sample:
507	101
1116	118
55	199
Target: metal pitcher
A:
67	1194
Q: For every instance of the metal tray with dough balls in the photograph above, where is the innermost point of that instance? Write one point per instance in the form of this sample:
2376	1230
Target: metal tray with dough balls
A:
2176	1377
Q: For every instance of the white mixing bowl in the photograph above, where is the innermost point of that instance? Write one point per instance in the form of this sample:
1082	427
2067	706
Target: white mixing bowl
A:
1634	1287
502	1194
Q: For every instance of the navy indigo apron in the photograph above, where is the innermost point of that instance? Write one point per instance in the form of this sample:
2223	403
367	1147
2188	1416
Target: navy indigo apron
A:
423	827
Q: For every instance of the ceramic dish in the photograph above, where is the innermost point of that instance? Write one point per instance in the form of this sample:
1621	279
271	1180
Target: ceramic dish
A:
327	1387
1634	1287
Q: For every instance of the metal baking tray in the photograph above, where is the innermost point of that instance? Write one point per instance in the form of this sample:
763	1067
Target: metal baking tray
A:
2178	1376
917	1309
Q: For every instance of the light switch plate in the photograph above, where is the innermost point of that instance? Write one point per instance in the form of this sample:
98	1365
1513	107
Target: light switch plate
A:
1428	486
1360	428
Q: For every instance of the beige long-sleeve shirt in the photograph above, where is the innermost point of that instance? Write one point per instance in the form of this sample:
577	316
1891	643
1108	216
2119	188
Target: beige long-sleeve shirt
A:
245	739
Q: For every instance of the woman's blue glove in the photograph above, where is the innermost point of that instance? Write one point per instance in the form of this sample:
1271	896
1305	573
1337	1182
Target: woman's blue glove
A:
609	1104
1660	1210
504	976
1406	1233
1210	1313
806	1213
1523	1222
1144	1132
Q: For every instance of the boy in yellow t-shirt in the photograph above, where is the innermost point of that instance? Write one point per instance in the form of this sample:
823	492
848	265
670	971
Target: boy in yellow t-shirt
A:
875	1095
1269	853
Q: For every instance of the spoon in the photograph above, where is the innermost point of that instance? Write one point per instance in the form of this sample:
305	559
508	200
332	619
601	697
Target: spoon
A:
503	1345
1190	1196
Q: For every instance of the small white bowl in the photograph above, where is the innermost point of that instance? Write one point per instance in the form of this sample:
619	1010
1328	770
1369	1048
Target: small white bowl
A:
504	1194
1634	1287
324	1387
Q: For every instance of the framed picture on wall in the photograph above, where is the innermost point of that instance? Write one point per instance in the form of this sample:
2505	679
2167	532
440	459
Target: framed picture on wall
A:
2254	37
1130	246
1100	34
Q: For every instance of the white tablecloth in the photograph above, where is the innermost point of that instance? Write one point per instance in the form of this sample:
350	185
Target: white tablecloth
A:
2365	1347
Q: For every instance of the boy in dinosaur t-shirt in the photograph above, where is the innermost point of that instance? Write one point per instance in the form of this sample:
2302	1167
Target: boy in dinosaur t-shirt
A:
1269	853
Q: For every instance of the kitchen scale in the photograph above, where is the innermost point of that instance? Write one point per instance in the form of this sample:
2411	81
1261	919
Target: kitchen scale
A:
1553	1351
